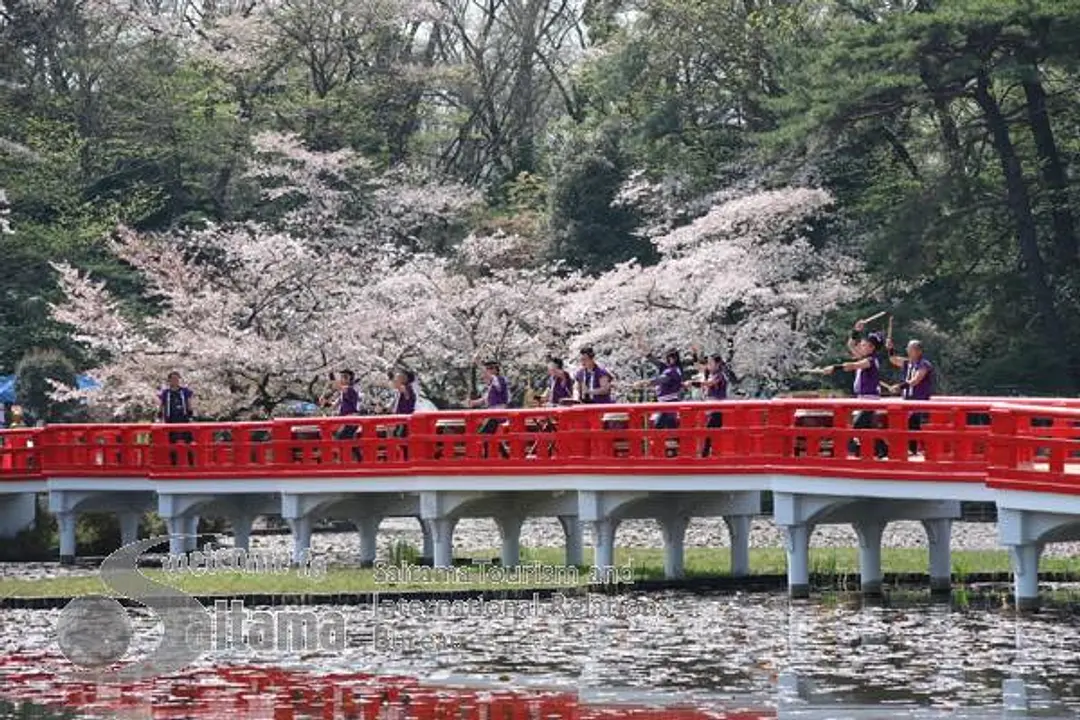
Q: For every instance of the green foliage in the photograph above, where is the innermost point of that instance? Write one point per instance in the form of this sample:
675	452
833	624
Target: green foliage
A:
879	102
37	543
34	378
588	229
402	553
883	107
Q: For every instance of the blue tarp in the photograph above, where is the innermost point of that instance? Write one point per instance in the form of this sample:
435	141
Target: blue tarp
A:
7	386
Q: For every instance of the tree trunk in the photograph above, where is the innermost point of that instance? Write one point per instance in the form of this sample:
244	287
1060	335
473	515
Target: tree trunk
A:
1052	169
1019	202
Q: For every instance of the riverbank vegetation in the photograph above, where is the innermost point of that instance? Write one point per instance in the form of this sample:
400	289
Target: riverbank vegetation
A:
839	565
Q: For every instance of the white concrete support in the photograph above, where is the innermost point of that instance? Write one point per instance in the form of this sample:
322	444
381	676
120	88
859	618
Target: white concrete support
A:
129	526
301	532
241	527
797	544
801	512
176	527
870	576
65	522
575	555
939	540
604	542
369	538
442	532
510	528
673	530
1025	533
429	541
739	533
1025	562
191	529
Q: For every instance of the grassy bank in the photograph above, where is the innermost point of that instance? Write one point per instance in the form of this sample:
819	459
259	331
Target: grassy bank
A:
646	564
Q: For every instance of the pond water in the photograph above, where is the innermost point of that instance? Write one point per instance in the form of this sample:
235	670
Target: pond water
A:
758	654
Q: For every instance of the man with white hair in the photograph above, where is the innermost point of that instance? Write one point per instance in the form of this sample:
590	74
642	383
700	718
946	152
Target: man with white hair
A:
918	383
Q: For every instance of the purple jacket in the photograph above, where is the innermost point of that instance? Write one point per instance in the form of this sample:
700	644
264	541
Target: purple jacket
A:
176	405
867	382
559	388
498	393
590	380
719	390
350	401
923	390
669	384
405	402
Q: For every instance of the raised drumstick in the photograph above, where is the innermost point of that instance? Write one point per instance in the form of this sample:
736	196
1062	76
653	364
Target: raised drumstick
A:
875	316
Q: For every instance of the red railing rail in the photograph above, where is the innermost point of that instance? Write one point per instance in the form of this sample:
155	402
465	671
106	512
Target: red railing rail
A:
20	454
1035	448
968	440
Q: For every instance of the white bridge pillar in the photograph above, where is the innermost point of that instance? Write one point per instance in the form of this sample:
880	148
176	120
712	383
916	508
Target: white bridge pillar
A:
673	529
129	507
442	536
65	521
129	526
938	536
739	533
797	545
428	550
301	532
1025	533
799	513
510	528
241	528
604	542
869	533
571	526
368	527
673	510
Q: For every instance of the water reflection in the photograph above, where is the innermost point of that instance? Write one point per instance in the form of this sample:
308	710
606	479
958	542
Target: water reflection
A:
831	658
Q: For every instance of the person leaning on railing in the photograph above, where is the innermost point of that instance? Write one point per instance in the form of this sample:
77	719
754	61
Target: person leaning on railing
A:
918	382
348	403
592	383
404	384
496	396
176	407
867	385
714	387
668	383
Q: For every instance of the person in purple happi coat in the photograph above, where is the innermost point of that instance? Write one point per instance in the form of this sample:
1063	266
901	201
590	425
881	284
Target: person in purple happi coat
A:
867	385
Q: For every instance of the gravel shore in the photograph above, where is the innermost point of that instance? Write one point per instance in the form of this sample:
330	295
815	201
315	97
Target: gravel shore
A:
475	534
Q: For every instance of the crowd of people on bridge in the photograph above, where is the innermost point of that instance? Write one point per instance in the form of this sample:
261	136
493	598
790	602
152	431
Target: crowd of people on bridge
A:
705	377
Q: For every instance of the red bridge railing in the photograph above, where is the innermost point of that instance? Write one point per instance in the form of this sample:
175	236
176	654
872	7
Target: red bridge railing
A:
972	440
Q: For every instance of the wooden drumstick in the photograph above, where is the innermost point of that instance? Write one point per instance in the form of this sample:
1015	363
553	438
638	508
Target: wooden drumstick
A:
875	316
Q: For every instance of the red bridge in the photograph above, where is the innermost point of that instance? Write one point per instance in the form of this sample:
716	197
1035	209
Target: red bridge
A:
585	464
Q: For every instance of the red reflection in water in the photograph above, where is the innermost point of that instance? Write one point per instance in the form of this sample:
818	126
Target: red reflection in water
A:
262	693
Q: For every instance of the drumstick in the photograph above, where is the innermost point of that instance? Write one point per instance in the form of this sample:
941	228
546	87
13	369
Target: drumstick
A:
875	316
813	371
888	333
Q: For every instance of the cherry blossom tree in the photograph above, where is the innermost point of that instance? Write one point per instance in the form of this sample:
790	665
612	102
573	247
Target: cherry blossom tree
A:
742	279
251	318
490	299
255	315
